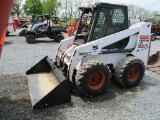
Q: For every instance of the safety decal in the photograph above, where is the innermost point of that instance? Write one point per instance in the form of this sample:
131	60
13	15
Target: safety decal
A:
144	41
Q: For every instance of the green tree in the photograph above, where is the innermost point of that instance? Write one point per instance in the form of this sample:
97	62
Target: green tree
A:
17	7
50	6
32	7
156	13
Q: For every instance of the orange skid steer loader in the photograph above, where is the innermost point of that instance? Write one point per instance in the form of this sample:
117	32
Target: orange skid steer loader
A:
5	8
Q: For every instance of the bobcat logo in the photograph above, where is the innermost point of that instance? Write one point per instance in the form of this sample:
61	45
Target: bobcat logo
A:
95	47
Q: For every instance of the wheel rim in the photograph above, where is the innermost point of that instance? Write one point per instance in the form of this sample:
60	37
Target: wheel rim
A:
31	39
96	80
133	73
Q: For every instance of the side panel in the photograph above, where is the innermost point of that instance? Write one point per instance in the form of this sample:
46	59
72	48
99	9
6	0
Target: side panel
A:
143	45
132	41
2	38
106	58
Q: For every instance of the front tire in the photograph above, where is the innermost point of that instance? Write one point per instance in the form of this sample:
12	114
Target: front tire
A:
59	37
30	39
93	78
129	72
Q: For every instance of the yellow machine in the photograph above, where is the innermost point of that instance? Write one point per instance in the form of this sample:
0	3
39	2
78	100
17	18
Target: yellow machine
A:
55	21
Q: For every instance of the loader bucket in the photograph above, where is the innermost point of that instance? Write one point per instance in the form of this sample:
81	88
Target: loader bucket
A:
47	85
154	63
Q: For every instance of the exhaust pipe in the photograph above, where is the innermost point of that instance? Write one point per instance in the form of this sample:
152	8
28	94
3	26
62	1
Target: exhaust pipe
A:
47	85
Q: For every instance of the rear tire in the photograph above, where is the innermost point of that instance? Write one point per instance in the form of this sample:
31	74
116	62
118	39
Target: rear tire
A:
153	36
59	37
30	39
93	77
129	72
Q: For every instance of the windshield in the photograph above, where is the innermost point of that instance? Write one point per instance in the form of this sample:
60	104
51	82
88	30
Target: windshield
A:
39	19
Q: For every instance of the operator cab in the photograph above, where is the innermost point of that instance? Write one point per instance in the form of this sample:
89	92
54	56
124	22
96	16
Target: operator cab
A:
41	21
105	19
85	23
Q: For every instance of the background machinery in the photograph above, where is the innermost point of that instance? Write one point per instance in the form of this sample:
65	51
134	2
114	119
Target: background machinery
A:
155	27
88	60
55	21
11	26
39	20
43	28
154	60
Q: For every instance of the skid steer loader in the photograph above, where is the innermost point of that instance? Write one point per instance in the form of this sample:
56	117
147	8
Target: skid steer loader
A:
89	59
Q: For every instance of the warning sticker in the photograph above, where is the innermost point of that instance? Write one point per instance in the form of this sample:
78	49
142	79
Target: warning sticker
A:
144	41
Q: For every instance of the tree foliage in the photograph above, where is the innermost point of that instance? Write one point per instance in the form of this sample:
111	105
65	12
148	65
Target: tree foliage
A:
69	8
17	7
140	12
32	7
50	6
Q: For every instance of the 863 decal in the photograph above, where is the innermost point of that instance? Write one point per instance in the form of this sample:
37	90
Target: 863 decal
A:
144	41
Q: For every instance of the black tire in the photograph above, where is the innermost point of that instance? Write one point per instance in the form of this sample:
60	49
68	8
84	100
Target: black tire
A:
93	86
59	37
30	39
129	72
153	36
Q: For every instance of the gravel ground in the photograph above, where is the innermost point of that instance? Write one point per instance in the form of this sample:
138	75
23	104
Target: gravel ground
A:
139	103
18	56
